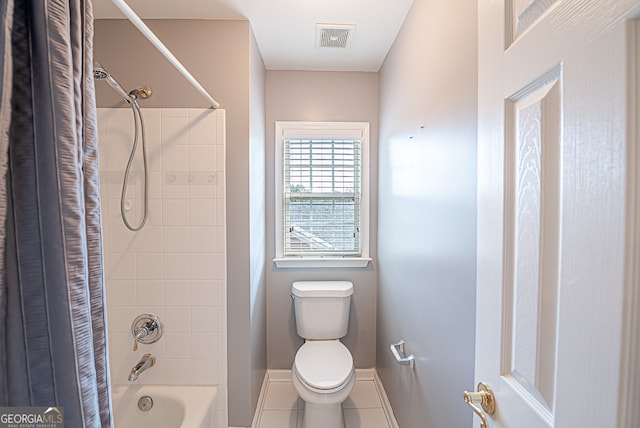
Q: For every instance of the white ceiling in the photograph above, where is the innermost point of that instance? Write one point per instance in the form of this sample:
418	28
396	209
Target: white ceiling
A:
286	29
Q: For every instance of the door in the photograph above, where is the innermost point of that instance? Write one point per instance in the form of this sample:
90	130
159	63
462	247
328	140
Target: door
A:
556	216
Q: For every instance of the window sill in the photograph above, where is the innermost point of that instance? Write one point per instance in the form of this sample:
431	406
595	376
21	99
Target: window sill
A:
322	262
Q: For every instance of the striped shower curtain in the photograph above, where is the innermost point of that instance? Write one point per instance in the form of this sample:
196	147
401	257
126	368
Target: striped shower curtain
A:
53	339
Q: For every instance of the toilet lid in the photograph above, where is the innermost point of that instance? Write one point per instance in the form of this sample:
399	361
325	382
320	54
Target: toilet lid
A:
324	364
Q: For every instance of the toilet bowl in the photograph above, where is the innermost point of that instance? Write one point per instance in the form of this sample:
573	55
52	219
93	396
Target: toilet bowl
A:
323	373
323	376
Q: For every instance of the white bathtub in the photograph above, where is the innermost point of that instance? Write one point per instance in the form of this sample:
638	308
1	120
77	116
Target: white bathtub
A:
173	406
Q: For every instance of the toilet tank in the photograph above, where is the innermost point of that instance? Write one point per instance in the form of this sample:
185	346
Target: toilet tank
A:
322	308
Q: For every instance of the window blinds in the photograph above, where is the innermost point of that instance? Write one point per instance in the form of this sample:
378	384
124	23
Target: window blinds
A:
322	196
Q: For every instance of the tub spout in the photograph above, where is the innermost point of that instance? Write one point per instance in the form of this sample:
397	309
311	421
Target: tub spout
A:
147	361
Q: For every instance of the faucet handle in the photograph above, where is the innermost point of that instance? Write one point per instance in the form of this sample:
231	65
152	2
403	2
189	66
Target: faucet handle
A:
147	329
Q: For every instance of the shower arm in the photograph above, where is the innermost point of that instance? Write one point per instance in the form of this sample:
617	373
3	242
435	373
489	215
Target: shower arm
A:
142	27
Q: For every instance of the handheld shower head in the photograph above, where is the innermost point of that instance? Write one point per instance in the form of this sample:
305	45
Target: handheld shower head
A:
100	73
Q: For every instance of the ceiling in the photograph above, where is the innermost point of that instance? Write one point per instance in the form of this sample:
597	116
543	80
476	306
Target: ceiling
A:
286	29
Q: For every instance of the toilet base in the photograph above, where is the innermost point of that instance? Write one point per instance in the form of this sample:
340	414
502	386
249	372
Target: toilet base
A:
323	410
323	416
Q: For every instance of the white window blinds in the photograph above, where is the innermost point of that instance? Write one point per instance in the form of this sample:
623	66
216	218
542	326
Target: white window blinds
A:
322	195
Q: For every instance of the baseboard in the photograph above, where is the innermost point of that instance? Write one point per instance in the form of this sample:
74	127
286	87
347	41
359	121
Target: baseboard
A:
260	403
386	405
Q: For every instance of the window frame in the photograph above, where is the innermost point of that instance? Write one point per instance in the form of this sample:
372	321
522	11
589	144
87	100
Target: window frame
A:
337	130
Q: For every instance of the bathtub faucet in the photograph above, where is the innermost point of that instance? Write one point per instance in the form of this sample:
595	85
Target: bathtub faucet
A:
147	361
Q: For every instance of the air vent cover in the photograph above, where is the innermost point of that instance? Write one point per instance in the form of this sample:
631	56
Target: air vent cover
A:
334	35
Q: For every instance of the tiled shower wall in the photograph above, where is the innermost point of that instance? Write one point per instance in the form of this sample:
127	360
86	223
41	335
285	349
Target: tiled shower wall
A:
175	267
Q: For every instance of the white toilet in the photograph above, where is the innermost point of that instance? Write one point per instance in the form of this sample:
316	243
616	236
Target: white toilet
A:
322	372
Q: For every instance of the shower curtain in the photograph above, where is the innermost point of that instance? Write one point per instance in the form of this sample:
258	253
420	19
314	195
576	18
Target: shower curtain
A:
53	338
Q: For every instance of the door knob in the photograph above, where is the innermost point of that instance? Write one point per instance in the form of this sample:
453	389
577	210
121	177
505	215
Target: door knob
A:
485	398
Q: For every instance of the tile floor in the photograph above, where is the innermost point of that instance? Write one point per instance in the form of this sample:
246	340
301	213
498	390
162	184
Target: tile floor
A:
283	409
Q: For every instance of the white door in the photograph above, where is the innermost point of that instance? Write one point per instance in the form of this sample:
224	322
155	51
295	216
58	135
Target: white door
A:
556	211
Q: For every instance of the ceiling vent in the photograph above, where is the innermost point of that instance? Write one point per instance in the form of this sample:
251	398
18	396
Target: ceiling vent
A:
334	35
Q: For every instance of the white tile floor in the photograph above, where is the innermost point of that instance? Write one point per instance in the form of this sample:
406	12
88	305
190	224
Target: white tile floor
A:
283	409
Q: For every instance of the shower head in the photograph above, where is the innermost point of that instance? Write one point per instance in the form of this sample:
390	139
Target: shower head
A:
100	73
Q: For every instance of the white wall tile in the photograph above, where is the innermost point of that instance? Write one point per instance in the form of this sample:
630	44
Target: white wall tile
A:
155	185
154	157
145	308
204	345
220	240
175	212
204	319
203	266
178	319
204	371
222	319
154	215
121	292
175	158
178	345
149	239
202	131
121	344
203	239
173	190
221	266
204	293
220	215
202	212
152	126
120	368
121	239
149	292
202	158
207	191
177	292
174	131
149	266
117	155
121	317
176	238
174	112
178	371
222	346
222	373
121	266
174	267
222	292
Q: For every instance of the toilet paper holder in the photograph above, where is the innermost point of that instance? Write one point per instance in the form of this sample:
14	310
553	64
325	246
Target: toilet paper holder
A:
398	351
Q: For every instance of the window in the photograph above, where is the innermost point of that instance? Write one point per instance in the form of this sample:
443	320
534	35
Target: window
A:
322	184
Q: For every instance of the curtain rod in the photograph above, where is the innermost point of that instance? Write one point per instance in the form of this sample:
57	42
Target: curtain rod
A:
142	27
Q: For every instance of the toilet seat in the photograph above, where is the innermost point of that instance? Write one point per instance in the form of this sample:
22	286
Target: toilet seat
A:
324	364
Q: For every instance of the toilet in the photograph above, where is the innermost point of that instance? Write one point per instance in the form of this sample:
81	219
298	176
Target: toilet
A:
322	372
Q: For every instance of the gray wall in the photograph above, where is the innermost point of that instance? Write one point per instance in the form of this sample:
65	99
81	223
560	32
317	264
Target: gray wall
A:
427	213
257	231
223	57
320	96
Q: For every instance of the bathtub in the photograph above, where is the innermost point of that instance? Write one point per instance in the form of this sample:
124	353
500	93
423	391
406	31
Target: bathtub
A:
173	406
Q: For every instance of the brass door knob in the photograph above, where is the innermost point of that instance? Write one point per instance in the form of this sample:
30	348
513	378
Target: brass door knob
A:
485	398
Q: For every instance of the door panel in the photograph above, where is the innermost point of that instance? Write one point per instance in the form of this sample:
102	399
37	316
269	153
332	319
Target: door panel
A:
532	167
523	14
552	207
